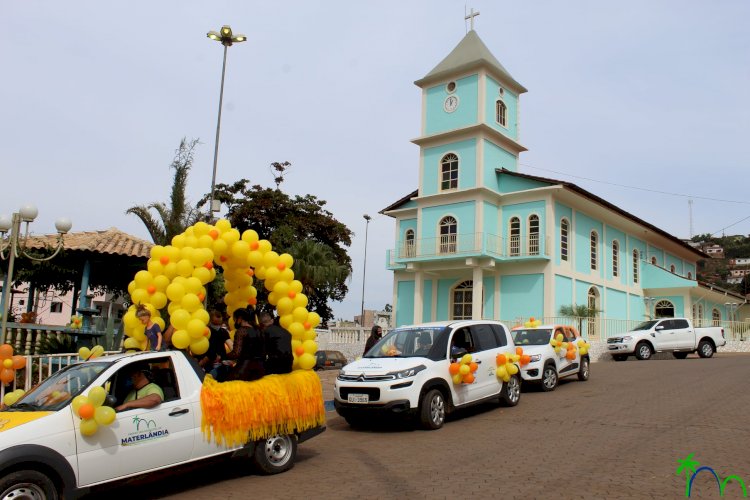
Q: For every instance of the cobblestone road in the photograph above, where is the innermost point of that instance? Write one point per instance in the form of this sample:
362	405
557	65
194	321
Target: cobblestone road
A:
619	435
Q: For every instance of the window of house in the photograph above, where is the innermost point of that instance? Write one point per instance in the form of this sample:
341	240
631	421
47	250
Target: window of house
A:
664	309
564	239
409	250
449	172
615	258
55	307
635	266
672	269
515	236
534	235
462	294
653	260
448	233
501	113
593	303
594	250
690	275
716	317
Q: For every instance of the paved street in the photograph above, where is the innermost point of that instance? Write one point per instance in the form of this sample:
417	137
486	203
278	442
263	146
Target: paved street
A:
619	435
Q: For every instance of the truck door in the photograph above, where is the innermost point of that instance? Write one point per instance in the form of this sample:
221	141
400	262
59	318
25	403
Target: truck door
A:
662	335
490	345
683	337
139	440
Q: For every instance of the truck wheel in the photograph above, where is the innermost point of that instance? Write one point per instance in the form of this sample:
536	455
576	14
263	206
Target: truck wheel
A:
275	454
643	351
680	355
620	357
705	349
511	391
549	378
583	373
432	410
28	484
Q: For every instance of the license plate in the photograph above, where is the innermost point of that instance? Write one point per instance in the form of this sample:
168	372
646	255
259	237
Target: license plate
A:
358	398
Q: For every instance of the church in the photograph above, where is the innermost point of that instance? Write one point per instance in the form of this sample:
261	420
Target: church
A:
480	240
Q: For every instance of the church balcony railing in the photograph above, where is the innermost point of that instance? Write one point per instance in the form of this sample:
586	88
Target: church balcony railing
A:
468	245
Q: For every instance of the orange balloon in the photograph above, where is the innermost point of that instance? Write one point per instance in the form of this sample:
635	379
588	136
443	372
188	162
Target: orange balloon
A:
201	297
292	294
254	245
214	234
525	359
468	378
307	325
252	301
6	351
571	355
501	360
473	366
86	411
151	289
519	350
299	351
208	265
7	375
453	368
18	362
164	260
250	272
281	266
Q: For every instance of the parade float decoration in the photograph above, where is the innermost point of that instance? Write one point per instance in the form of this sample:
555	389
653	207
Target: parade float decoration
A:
583	347
11	397
507	364
9	364
76	322
92	411
87	354
462	372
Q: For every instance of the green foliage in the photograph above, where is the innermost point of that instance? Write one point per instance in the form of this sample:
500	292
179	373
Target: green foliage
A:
52	344
579	313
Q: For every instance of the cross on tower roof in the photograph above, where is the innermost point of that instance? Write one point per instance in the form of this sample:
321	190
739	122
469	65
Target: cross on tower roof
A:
470	17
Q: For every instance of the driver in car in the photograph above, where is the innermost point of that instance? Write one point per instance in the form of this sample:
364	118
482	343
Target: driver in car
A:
145	394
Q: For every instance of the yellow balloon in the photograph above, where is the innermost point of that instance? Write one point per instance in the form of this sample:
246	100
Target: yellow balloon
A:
89	427
501	372
300	314
180	339
202	274
287	260
155	267
300	300
295	286
314	319
240	249
157	251
179	319
254	258
159	300
223	225
170	270
287	275
193	285
273	298
131	287
202	315
10	398
230	236
264	246
199	346
8	363
260	272
178	241
310	346
191	302
466	359
139	296
161	283
191	241
457	378
200	228
196	328
296	329
512	369
220	247
184	268
250	236
143	279
272	273
309	335
306	361
96	395
175	292
205	241
284	305
286	320
295	345
464	369
104	415
77	402
132	343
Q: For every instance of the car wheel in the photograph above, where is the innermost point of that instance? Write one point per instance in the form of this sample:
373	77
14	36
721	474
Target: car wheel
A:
432	410
620	357
643	351
275	454
511	391
549	378
680	355
583	373
705	349
28	484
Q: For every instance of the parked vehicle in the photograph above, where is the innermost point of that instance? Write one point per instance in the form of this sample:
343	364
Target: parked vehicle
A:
675	335
547	367
43	453
329	360
407	372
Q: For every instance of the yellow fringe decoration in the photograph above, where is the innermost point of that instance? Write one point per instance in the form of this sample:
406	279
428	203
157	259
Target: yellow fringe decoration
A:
236	412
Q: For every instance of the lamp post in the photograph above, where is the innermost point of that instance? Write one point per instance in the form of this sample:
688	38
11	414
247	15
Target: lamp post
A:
12	248
226	38
364	271
649	303
731	312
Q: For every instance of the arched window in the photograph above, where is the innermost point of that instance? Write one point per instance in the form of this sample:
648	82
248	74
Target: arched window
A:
462	294
716	317
515	236
672	269
615	258
594	250
635	266
564	226
698	315
533	235
593	303
501	113
653	260
448	233
409	249
664	309
690	275
449	172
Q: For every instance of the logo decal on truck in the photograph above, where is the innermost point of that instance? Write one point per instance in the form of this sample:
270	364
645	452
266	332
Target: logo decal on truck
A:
145	430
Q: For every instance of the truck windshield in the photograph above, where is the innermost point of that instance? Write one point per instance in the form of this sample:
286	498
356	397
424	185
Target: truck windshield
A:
646	325
409	343
57	391
531	337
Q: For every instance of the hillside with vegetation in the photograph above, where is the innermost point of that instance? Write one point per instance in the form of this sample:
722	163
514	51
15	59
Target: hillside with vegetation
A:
718	270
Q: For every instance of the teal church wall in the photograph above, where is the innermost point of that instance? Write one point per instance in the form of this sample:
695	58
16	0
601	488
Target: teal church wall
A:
633	244
612	235
511	102
467	165
488	311
496	157
563	293
523	211
404	225
521	295
427	301
671	260
442	313
637	307
562	211
582	292
656	252
467	113
462	212
616	304
510	184
582	244
689	268
405	303
490	223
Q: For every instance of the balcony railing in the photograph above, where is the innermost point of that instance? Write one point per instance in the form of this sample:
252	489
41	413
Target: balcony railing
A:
482	244
27	338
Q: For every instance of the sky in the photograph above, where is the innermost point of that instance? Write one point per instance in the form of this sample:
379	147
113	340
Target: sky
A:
95	97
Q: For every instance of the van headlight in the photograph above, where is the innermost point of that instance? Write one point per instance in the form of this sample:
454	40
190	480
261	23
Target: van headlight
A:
409	372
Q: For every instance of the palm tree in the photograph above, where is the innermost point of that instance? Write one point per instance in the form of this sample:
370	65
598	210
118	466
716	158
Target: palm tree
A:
579	313
316	266
178	216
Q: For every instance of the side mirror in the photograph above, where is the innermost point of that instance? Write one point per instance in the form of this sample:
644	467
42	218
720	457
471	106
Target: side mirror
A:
660	327
110	400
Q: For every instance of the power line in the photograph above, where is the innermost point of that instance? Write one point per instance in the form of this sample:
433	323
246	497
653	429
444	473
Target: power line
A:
640	188
730	225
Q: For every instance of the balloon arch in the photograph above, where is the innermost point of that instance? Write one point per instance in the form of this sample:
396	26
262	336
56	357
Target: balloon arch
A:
176	279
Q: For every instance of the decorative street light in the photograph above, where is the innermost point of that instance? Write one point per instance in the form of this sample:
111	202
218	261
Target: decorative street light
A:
364	272
12	248
226	38
731	313
649	306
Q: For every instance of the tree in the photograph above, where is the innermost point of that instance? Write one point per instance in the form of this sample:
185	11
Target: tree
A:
179	215
579	313
388	308
287	221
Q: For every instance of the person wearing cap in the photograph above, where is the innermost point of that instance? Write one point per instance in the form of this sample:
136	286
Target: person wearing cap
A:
145	394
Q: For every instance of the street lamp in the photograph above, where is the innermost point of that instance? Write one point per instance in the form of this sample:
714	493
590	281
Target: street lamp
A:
731	312
226	38
649	303
364	271
12	248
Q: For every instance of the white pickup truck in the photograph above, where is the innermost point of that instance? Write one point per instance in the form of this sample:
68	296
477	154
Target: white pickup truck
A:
44	455
675	335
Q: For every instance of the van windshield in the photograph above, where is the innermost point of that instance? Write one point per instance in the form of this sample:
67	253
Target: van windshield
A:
411	342
57	391
531	337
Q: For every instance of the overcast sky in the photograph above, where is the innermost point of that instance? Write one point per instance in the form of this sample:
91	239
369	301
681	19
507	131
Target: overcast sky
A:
95	97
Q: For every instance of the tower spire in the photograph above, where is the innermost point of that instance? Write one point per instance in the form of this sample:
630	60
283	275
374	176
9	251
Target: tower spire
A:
470	17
